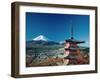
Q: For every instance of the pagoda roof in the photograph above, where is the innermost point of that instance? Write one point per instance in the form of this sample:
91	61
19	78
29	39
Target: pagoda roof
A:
74	41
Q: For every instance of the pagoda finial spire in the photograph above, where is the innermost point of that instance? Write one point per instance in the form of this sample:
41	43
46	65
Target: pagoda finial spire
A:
72	32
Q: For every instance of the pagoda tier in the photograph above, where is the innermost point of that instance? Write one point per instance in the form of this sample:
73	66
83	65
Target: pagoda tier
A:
72	49
74	41
71	57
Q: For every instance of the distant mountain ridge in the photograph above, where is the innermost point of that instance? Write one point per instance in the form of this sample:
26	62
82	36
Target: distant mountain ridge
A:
40	42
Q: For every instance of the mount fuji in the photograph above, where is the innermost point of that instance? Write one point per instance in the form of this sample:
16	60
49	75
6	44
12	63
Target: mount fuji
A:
40	38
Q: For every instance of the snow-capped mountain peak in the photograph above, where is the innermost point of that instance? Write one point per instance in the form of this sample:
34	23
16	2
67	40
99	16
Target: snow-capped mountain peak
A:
40	37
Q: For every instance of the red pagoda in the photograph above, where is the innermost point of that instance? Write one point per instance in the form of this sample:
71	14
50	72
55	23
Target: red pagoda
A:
72	51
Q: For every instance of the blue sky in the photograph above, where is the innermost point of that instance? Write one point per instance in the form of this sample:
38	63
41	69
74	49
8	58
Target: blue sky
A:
57	27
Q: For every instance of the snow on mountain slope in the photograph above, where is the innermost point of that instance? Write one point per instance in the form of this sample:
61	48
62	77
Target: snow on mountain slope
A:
40	37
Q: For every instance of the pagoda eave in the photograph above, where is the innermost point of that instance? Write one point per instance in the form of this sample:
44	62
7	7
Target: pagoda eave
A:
75	41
